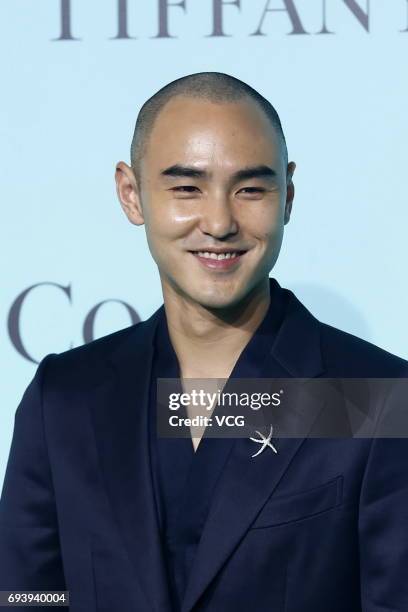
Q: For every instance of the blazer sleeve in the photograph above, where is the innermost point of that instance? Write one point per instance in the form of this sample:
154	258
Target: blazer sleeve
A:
30	557
383	527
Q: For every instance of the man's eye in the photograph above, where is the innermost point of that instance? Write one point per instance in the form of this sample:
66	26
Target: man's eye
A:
185	188
250	190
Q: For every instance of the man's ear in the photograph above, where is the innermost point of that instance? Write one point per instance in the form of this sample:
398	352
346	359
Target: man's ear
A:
290	191
128	193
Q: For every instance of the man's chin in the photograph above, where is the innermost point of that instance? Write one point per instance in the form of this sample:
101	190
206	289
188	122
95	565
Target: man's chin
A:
216	299
220	295
216	304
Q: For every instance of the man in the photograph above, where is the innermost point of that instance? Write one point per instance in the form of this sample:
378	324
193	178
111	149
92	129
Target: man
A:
96	503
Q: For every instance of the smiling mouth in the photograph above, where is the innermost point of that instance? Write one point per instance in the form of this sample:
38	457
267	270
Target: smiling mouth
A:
218	260
218	256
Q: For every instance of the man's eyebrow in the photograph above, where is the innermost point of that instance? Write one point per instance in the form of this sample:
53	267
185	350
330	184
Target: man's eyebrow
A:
251	172
180	171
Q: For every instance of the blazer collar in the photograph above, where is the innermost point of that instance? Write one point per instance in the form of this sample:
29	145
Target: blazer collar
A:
297	347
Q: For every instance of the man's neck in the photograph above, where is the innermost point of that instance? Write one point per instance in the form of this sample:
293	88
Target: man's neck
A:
209	342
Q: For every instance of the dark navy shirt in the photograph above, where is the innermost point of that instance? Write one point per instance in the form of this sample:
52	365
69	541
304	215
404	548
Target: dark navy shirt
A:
184	480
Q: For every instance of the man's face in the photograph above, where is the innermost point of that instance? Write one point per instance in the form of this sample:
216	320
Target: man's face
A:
214	198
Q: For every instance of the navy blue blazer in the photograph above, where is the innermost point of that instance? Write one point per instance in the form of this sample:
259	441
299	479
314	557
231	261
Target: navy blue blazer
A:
321	526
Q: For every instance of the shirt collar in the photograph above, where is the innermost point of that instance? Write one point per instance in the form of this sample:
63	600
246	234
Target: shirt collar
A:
250	362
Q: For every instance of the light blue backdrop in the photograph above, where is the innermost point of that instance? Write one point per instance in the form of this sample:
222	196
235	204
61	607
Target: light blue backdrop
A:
68	111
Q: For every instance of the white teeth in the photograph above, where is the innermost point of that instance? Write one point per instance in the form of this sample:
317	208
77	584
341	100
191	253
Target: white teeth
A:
208	255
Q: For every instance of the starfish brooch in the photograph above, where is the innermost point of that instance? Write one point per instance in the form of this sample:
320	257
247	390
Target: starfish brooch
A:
265	441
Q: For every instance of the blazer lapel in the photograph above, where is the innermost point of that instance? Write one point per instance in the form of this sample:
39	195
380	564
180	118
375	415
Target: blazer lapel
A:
246	483
121	425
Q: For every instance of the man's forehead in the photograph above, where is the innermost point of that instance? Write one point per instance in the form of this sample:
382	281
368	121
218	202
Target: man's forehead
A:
201	128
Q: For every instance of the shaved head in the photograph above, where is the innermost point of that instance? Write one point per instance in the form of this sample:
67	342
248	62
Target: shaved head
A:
211	184
215	87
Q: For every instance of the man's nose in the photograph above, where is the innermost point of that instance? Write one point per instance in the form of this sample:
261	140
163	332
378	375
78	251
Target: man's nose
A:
218	219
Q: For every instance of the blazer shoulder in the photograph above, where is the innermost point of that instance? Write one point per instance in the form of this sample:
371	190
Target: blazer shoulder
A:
88	360
101	347
88	365
349	356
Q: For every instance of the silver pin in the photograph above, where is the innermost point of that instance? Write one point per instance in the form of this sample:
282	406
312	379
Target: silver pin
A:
265	441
